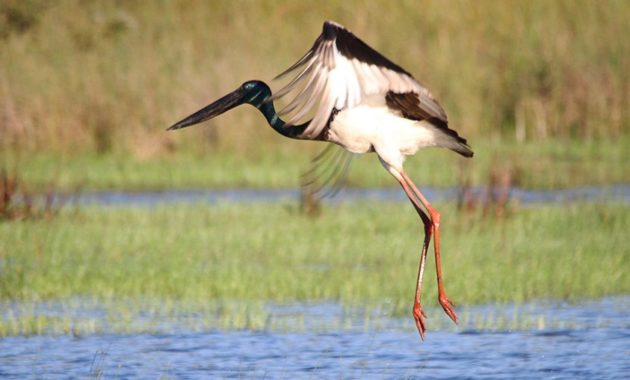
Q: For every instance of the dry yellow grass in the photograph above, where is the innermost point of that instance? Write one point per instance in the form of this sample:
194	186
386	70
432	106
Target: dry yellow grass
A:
107	76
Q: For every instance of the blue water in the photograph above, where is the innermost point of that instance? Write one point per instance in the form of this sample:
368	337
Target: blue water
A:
590	340
620	193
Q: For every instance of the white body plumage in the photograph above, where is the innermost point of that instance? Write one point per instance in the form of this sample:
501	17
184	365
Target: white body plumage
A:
371	126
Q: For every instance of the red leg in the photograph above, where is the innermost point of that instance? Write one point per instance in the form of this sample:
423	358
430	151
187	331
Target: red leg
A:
417	311
447	305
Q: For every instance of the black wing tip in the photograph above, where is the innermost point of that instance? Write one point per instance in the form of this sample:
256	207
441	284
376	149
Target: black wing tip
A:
352	46
330	29
333	30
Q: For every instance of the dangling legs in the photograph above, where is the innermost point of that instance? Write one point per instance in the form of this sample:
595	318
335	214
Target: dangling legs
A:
447	305
418	313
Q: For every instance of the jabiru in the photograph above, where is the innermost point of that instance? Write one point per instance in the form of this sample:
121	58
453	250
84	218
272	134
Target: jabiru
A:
363	102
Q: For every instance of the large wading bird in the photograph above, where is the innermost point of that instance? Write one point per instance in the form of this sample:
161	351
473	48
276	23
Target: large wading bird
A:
360	100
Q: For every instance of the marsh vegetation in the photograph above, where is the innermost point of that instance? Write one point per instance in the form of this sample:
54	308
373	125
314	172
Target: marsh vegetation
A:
270	252
540	89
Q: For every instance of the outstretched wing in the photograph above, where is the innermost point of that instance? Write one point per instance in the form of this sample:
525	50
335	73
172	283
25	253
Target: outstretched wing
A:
339	72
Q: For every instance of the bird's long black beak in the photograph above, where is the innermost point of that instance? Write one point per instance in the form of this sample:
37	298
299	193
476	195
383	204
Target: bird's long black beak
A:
222	105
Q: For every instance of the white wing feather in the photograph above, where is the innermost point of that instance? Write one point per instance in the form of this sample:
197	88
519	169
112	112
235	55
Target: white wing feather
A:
330	80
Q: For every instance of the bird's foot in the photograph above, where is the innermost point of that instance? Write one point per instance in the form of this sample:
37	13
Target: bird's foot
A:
419	315
448	307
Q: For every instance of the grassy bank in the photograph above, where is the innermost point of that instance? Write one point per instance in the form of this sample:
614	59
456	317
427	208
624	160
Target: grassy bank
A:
549	164
234	252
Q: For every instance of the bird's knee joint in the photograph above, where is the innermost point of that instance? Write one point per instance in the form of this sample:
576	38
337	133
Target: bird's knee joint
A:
435	219
428	228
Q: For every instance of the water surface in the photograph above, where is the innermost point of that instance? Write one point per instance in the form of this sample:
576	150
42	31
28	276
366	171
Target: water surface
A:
619	193
589	340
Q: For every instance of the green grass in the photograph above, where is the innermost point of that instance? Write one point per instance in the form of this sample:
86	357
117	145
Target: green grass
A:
539	89
550	164
353	253
201	267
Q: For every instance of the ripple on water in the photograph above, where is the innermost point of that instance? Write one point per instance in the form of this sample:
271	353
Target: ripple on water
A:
597	347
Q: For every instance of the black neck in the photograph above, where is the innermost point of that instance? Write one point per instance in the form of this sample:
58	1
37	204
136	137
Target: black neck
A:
279	125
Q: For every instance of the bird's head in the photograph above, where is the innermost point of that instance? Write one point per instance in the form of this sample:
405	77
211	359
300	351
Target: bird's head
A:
252	92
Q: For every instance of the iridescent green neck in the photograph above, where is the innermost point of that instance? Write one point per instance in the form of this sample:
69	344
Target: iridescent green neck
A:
260	92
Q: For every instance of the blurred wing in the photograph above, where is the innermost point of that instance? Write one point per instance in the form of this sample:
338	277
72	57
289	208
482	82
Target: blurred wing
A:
339	72
328	172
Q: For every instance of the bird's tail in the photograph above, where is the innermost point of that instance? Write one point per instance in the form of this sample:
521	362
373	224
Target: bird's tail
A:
461	147
448	138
